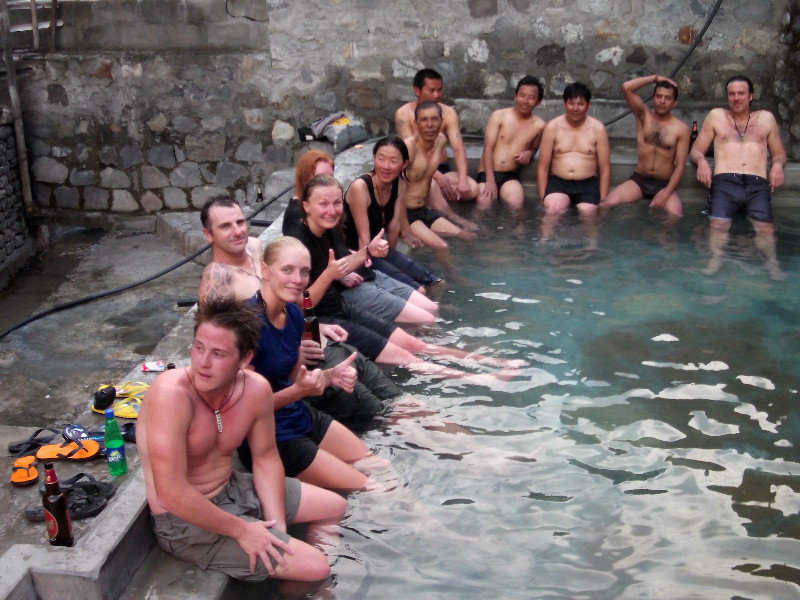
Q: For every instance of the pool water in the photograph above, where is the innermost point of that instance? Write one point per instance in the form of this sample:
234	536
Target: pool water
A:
648	449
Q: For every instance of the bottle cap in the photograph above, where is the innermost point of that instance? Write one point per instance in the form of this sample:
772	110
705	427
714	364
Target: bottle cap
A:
109	413
48	465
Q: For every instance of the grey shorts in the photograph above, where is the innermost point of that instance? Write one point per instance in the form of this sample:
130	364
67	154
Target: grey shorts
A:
384	297
210	550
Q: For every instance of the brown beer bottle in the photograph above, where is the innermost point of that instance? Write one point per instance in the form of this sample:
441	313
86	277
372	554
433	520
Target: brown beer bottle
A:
311	327
56	511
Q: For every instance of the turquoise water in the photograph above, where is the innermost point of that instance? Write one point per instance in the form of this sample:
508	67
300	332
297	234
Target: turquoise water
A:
649	449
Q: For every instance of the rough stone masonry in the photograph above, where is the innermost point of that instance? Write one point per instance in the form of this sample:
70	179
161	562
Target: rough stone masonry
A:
157	105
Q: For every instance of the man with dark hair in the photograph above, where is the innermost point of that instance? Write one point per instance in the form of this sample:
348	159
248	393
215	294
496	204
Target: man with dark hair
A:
662	141
740	182
427	85
421	221
574	165
235	267
190	423
511	139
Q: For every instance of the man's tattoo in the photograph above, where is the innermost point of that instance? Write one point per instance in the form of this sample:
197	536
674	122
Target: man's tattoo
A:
217	283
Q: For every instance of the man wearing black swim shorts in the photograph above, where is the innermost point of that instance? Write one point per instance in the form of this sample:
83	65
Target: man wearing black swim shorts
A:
574	165
662	142
740	180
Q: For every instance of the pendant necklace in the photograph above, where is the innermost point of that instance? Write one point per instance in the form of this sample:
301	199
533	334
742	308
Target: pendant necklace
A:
741	134
224	404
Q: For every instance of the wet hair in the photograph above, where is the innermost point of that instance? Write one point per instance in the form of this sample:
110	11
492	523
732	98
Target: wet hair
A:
276	247
577	90
318	181
305	168
394	141
221	200
530	80
669	86
238	317
422	75
740	78
427	104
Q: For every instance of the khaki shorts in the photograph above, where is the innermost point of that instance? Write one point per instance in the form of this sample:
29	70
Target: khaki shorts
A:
210	550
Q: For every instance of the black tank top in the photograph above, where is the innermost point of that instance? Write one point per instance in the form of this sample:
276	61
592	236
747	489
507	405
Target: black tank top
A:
377	215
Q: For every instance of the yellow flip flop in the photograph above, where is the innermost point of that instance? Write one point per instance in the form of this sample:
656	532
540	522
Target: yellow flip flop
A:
128	399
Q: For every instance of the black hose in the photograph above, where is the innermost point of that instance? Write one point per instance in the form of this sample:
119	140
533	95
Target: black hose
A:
696	43
125	288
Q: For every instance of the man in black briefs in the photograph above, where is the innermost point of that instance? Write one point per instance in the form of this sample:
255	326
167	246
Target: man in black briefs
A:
662	141
511	138
742	137
574	165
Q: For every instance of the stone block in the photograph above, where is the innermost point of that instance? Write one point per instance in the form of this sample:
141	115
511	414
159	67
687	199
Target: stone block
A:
479	9
230	174
114	178
37	147
279	155
249	151
150	202
186	175
183	124
205	148
364	97
41	193
60	152
175	199
108	156
123	201
282	133
153	178
257	119
201	195
208	175
49	170
214	123
56	94
130	155
162	156
67	197
95	198
82	177
158	123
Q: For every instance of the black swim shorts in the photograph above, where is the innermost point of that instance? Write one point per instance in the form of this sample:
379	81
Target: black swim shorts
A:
580	191
298	454
444	168
734	192
500	177
424	214
650	186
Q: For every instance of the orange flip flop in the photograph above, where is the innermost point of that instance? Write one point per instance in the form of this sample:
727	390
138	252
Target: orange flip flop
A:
73	450
24	472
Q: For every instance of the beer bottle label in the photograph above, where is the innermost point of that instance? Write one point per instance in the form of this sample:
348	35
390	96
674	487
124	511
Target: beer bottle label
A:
52	524
50	477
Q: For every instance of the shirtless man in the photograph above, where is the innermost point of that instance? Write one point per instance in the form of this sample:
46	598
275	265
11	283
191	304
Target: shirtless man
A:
425	224
511	139
191	421
449	186
741	138
662	141
235	267
574	166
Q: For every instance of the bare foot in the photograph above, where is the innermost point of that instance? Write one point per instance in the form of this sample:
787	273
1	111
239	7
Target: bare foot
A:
714	265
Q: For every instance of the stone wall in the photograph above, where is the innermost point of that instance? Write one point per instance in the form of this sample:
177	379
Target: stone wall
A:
16	242
787	84
157	104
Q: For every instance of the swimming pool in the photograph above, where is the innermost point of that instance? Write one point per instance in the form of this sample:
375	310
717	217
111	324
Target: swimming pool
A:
647	450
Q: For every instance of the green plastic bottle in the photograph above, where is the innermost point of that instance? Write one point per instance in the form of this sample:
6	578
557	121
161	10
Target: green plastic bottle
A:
115	446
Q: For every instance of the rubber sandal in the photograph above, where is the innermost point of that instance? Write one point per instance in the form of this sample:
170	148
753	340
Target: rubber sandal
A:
74	432
33	443
76	450
128	431
24	472
126	400
87	483
81	506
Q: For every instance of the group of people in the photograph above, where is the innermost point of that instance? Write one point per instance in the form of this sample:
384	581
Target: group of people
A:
258	387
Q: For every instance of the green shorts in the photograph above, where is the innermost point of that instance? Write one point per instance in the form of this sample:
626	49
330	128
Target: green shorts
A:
209	550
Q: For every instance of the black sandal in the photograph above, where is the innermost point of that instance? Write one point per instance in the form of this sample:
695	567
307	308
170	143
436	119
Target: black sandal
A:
33	443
